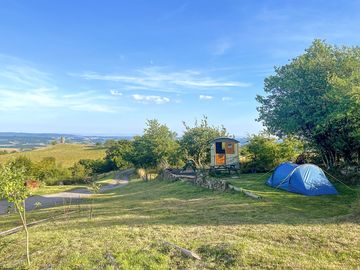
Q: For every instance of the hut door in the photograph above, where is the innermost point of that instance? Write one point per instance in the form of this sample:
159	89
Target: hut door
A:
220	157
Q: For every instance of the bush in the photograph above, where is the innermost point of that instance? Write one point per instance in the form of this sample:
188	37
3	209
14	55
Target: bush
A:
97	166
263	153
79	173
50	173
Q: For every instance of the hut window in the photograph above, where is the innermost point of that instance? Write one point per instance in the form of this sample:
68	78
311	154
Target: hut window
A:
220	148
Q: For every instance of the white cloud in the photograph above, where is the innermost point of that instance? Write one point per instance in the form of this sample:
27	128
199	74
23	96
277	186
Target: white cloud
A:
159	80
115	93
93	108
24	87
226	98
150	99
204	97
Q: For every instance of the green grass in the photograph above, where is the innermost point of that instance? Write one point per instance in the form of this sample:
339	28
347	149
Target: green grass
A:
104	179
228	230
65	154
54	189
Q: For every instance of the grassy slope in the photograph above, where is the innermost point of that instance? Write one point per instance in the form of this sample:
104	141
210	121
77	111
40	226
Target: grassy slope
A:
66	154
104	179
282	231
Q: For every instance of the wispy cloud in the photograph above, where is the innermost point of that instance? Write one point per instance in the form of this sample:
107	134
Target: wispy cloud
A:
150	99
172	13
205	97
160	80
94	108
115	92
24	87
226	98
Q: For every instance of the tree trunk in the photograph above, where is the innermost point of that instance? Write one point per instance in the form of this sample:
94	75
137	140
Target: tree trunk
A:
23	220
27	238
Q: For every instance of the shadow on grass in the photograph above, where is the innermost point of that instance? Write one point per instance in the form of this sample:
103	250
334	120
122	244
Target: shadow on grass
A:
177	203
160	202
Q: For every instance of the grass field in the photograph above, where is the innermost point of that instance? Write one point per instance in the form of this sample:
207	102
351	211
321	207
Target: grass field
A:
66	154
228	230
102	180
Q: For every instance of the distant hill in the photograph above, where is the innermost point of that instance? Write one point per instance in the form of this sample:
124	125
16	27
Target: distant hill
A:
66	154
23	141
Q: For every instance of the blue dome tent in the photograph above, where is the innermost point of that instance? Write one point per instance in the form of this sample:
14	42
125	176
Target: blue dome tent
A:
307	179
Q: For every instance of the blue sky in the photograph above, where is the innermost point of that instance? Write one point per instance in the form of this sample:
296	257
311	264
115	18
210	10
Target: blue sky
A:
104	67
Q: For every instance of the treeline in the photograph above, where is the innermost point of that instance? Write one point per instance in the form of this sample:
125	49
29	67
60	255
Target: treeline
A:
49	172
160	148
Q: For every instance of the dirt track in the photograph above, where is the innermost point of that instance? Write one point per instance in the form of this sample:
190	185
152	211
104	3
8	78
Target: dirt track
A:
51	200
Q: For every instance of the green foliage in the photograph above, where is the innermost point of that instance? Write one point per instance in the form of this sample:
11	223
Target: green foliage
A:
12	183
155	148
23	163
195	141
119	153
263	153
317	97
97	166
13	188
79	172
49	172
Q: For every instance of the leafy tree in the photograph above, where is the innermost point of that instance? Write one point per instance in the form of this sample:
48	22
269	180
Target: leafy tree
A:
13	189
263	153
49	172
79	172
195	141
317	97
155	148
109	143
97	166
25	163
119	154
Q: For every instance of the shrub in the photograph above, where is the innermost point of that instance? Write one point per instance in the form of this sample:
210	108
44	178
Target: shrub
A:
263	153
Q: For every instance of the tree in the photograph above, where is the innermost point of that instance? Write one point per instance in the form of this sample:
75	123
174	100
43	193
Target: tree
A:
119	153
24	163
316	97
264	153
79	172
13	189
155	148
195	141
94	189
49	172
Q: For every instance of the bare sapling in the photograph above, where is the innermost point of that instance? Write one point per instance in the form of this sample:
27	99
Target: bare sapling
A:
94	189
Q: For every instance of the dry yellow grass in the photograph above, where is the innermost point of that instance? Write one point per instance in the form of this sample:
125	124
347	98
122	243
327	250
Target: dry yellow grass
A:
65	154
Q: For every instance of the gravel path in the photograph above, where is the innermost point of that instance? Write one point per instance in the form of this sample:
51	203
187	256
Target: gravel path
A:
51	200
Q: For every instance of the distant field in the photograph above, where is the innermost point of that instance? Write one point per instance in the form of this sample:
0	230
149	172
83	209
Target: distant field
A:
66	154
228	230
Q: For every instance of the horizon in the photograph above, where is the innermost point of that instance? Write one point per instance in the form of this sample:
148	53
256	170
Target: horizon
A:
89	68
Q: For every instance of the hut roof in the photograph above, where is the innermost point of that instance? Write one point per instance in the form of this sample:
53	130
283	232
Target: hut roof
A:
223	139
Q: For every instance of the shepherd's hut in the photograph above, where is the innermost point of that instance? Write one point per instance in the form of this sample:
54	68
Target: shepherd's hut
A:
225	154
